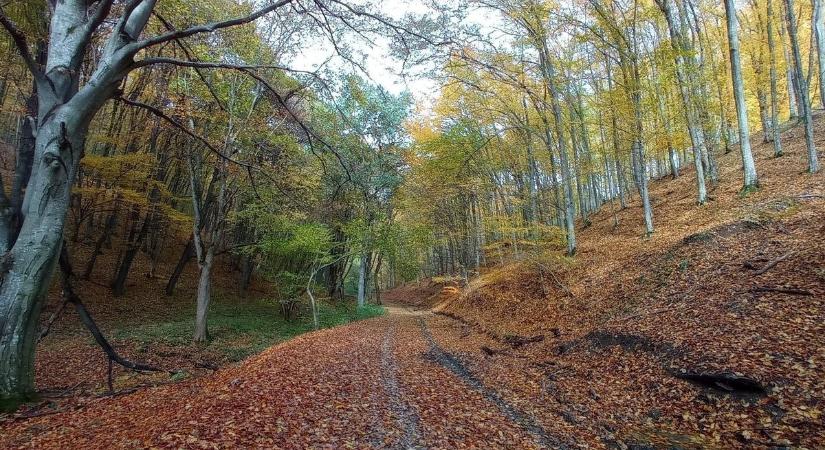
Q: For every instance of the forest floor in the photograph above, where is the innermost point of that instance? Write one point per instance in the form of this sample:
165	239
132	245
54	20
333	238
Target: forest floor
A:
709	334
388	382
147	326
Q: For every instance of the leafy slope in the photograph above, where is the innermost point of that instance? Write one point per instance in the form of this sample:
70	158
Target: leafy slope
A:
630	313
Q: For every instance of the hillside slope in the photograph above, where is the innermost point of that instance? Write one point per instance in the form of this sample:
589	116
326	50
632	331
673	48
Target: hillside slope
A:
734	286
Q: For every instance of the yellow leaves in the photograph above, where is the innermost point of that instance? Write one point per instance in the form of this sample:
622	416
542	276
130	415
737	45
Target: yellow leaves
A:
422	129
128	179
125	169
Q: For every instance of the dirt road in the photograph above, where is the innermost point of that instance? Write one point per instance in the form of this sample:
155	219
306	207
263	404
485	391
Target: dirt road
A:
380	383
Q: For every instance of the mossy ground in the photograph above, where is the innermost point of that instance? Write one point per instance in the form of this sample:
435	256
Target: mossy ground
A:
239	329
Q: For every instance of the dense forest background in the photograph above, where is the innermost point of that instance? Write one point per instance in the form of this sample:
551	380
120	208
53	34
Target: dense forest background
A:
153	164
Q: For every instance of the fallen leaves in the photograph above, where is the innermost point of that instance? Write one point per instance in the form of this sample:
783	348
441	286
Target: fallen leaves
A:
627	314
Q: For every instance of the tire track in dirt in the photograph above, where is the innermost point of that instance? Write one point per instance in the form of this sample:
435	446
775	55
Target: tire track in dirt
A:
450	362
406	417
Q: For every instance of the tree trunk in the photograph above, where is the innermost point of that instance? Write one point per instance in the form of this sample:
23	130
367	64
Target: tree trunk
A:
819	31
699	91
376	280
204	296
133	246
210	223
188	253
576	147
764	119
247	267
569	206
790	76
29	264
681	47
748	165
64	113
632	78
777	144
805	98
362	280
107	231
674	164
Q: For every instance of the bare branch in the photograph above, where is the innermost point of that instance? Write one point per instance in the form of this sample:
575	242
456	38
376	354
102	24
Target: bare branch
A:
188	53
157	112
21	43
214	65
99	15
248	167
208	28
71	296
309	133
397	28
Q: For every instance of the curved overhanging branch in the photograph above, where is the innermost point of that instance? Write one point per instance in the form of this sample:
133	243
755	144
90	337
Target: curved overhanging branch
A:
187	51
215	65
249	168
71	296
280	98
208	28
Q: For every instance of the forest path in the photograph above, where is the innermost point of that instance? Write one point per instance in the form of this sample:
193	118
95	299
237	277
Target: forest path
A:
379	383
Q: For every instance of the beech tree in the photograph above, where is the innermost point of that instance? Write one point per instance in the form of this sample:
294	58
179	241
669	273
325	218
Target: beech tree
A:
65	109
748	165
769	19
819	32
684	69
92	47
805	96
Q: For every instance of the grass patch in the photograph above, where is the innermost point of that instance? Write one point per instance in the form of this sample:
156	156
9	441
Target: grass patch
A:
239	328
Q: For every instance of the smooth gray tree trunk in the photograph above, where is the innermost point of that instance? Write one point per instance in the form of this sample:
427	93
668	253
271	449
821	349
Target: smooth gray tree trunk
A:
362	281
204	296
694	127
805	98
64	113
569	206
790	74
748	165
819	31
638	149
775	131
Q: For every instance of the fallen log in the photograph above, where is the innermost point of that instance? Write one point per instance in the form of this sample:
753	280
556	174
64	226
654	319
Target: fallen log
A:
207	365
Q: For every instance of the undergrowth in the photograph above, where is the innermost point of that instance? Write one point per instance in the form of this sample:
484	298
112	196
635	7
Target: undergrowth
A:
240	328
